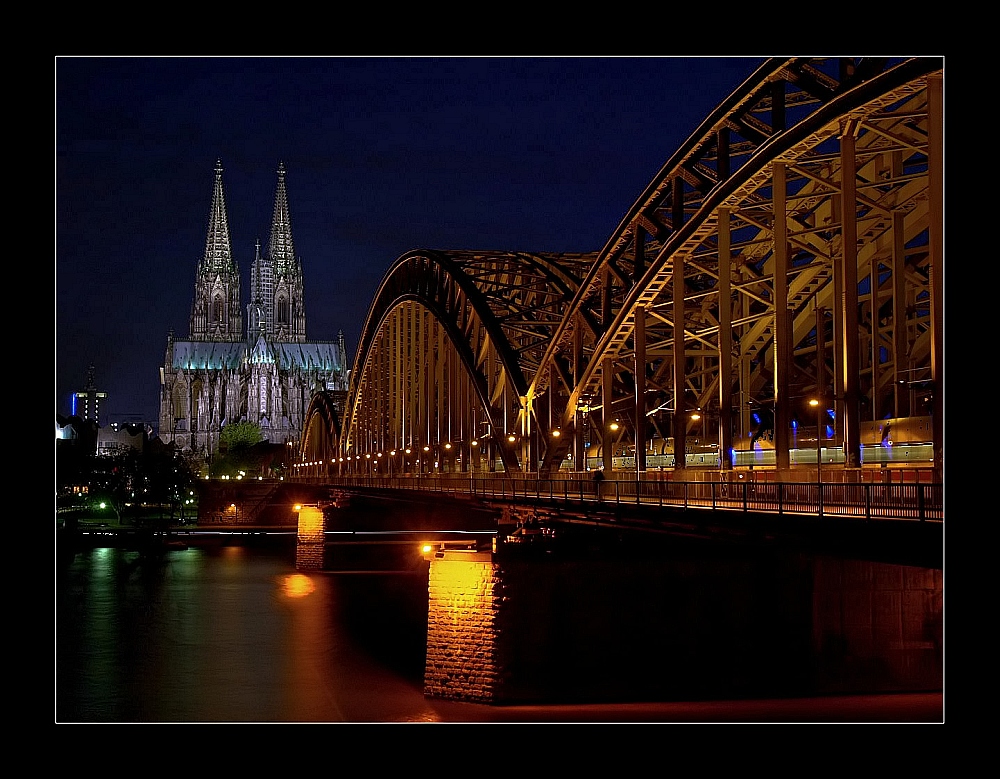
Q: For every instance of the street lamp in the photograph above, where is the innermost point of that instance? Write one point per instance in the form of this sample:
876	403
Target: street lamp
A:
818	405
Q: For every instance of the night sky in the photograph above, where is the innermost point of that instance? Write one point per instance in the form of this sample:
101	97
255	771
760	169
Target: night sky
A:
383	155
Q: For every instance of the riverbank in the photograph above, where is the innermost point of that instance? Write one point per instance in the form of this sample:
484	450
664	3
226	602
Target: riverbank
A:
150	540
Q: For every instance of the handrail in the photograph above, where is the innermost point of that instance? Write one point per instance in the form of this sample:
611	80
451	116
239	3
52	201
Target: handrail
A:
868	501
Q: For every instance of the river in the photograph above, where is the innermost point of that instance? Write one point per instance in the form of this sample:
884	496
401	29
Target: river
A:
233	634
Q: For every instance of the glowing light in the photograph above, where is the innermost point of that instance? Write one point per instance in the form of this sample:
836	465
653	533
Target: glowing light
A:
298	585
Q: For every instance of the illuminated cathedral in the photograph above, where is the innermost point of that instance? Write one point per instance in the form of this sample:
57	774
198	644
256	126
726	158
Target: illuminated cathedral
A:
266	374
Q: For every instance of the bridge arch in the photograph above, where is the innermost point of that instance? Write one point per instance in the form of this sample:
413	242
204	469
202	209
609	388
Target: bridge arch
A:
320	442
443	355
705	231
790	249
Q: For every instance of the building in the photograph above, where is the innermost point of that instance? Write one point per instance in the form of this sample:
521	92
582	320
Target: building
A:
87	404
266	374
119	436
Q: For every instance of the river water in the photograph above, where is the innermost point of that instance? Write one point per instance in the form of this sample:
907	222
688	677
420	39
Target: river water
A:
237	634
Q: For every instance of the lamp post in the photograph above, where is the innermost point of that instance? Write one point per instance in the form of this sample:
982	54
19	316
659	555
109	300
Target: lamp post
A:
818	405
818	402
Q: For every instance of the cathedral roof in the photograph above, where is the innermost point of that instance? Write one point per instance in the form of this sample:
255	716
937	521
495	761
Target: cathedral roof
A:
227	355
318	355
208	355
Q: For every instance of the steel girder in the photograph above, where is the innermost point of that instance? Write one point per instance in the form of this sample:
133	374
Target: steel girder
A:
321	437
771	309
447	347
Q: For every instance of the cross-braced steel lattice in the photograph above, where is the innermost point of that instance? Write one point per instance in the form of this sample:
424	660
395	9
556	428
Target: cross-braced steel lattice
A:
790	250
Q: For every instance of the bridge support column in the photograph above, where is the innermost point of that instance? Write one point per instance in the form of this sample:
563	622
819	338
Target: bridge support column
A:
464	599
520	625
310	548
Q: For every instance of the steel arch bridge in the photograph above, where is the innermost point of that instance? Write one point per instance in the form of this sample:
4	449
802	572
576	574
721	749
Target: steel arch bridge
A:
791	249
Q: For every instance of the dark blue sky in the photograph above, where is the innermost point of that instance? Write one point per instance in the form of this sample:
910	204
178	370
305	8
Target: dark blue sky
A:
383	155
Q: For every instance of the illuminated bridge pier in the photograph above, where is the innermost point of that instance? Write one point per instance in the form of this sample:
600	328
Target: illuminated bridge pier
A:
537	605
509	628
772	300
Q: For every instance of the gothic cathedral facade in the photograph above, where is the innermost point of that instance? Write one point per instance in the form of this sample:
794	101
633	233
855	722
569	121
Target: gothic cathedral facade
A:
266	375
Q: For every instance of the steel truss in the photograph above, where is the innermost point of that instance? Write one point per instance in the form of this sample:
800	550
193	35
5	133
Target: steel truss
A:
791	249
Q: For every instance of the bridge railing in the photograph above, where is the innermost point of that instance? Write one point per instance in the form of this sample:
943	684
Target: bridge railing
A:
917	501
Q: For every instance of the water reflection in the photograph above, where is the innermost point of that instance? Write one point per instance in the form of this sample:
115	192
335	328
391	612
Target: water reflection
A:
234	634
224	635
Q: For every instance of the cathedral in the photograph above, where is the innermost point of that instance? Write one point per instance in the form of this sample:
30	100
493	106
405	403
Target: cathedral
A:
266	374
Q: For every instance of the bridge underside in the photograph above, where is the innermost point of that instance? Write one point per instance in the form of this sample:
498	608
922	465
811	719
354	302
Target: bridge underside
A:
790	251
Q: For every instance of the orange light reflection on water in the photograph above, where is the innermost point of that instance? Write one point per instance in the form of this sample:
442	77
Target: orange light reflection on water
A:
297	585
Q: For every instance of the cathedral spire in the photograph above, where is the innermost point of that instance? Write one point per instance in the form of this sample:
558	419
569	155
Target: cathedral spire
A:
285	305
216	310
281	250
218	247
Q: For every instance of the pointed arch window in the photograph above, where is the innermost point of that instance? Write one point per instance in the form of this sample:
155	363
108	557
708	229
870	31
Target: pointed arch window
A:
282	311
196	402
179	405
218	308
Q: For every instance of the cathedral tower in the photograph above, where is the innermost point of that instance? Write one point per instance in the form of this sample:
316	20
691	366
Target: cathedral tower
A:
277	295
216	313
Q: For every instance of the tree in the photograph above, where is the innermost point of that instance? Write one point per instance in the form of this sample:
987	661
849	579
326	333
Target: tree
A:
239	434
237	449
114	480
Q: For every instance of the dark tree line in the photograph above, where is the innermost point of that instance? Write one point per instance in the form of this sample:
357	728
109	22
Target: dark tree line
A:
135	486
